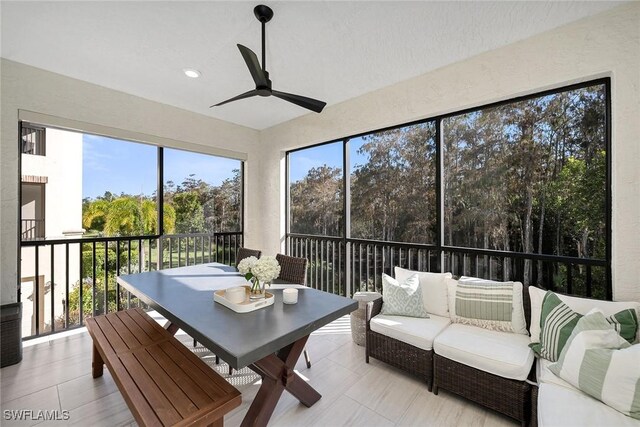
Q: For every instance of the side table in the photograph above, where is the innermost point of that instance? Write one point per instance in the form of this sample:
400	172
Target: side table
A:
358	316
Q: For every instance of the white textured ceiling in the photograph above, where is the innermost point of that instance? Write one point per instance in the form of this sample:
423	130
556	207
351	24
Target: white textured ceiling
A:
332	51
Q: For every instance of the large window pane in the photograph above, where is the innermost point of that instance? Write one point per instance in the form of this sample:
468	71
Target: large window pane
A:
315	191
393	192
528	176
202	193
118	187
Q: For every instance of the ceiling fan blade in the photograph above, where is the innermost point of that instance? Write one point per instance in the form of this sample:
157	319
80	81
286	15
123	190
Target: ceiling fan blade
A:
254	66
248	94
303	101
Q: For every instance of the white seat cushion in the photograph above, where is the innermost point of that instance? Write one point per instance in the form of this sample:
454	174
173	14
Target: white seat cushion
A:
544	375
500	353
562	407
416	331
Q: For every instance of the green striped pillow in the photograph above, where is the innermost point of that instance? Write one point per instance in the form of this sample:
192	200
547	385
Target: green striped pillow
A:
598	361
484	301
558	320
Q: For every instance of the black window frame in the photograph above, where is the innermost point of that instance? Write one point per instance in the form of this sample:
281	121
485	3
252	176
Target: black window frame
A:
438	245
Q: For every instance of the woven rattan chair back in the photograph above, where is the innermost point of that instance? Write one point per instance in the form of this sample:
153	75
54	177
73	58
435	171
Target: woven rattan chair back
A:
246	253
292	269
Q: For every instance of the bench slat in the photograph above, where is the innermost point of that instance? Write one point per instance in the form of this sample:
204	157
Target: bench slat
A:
211	387
150	326
132	335
113	338
162	406
134	398
160	379
190	387
166	382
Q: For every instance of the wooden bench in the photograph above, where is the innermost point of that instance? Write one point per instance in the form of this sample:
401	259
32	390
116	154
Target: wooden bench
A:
162	381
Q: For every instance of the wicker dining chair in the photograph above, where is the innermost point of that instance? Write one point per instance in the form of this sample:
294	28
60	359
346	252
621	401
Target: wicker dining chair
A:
246	253
293	270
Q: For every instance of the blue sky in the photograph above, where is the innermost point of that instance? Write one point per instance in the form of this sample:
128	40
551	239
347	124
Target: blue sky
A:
329	154
123	166
127	167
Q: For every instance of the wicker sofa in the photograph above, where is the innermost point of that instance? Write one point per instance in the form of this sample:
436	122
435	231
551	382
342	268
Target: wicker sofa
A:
534	397
508	393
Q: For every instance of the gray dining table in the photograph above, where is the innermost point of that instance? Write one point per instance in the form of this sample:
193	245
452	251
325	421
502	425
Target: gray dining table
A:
269	340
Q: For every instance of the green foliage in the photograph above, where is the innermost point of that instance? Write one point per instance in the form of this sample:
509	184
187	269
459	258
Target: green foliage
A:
189	212
317	202
192	207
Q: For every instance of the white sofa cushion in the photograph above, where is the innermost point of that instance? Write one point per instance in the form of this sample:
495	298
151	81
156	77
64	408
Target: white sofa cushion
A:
544	375
415	331
434	289
517	324
563	407
500	353
579	305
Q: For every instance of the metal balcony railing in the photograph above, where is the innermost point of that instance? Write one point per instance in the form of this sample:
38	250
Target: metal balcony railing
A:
32	229
346	265
63	281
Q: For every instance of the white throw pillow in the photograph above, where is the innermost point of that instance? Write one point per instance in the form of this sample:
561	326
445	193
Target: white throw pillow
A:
517	324
434	289
577	304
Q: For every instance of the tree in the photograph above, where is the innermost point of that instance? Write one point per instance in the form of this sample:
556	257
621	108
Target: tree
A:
316	202
189	212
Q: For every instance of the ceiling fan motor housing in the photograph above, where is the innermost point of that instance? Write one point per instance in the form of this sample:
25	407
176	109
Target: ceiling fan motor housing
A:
263	13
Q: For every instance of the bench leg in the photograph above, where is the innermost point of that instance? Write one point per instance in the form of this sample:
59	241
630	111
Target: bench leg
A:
97	364
172	328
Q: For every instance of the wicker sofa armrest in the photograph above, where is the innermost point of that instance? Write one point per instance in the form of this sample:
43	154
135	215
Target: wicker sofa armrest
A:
373	309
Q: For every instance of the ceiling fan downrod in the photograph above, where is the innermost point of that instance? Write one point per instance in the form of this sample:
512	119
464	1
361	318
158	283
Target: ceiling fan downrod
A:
264	14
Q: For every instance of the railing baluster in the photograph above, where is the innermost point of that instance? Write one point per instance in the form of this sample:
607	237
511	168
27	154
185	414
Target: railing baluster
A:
81	268
118	308
128	271
588	290
93	278
569	279
52	292
36	290
106	277
66	285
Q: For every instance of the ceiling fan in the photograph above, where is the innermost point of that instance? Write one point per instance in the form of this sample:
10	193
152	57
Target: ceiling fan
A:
261	76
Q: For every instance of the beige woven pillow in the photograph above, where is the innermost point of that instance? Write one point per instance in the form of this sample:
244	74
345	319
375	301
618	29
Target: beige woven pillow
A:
517	323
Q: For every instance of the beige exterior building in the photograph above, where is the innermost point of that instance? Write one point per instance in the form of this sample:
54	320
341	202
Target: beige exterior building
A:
51	208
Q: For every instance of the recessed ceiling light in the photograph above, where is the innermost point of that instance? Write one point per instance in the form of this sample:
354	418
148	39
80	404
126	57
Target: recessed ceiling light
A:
190	72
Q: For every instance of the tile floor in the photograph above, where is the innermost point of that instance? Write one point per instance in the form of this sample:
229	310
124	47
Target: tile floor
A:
55	374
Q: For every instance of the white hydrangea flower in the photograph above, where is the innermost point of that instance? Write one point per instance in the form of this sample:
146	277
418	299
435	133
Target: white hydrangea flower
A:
246	265
266	269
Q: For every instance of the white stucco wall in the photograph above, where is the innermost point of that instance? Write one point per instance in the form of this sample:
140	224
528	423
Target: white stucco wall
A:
30	89
606	45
